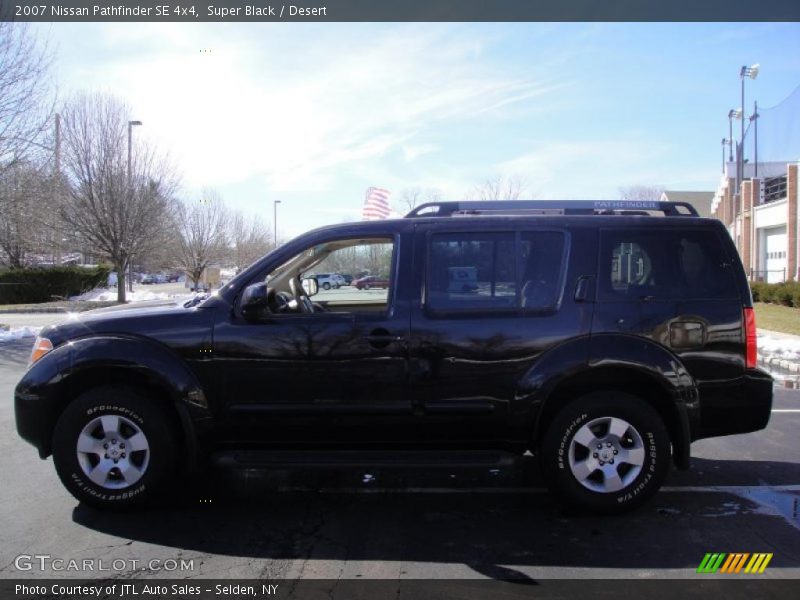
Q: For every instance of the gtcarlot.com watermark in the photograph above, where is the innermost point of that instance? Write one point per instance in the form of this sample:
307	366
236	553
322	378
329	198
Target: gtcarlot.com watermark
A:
46	562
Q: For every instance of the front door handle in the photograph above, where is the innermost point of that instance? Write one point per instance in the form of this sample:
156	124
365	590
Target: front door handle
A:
380	338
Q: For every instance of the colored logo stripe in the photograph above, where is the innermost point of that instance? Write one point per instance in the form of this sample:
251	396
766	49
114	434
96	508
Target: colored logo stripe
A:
711	562
734	562
758	563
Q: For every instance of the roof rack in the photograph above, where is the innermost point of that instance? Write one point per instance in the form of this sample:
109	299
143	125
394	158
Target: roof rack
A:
553	207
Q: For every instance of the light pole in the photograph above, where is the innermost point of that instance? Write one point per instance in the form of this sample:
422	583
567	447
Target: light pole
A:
754	119
731	116
724	142
737	114
130	138
752	73
275	221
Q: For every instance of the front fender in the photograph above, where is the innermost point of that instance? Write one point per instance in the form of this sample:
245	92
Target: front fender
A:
59	376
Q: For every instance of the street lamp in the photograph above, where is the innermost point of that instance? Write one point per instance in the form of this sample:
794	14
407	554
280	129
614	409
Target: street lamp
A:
754	120
752	73
732	114
130	135
724	142
275	221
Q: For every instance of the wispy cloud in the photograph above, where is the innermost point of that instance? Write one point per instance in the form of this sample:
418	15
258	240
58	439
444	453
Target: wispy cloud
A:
294	113
577	169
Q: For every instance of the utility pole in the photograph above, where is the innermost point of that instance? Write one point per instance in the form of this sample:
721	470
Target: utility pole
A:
56	189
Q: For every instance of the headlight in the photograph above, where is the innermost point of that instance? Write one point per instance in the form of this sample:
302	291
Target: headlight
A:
40	347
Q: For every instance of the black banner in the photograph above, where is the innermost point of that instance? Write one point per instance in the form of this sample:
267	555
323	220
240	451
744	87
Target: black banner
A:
400	10
702	586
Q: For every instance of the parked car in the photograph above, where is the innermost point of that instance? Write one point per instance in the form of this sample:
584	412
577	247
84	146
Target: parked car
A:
148	279
348	279
329	280
604	337
370	281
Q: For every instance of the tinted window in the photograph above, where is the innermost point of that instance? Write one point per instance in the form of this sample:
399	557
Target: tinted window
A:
472	271
542	255
664	264
488	271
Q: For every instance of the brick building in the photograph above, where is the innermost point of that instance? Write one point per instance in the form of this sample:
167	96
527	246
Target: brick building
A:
762	216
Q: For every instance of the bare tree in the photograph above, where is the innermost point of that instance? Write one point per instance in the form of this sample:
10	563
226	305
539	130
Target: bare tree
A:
499	188
249	238
26	103
202	234
412	197
641	192
118	213
24	218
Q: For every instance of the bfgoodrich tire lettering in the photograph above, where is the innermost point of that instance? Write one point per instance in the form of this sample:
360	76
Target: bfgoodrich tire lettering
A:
143	441
606	452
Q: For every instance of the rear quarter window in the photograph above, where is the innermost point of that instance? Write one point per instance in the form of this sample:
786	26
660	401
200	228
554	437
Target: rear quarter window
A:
664	264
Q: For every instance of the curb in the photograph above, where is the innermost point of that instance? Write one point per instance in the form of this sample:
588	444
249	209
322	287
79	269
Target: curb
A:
789	373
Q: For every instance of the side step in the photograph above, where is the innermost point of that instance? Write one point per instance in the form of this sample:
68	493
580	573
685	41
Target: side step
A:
293	459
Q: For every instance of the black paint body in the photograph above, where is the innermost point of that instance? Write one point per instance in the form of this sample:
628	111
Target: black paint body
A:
454	381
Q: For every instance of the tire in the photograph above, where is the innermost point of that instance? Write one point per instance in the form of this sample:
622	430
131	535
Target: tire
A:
595	479
108	421
366	286
326	286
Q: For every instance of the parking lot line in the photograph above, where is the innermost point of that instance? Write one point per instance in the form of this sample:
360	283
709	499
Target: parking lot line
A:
786	410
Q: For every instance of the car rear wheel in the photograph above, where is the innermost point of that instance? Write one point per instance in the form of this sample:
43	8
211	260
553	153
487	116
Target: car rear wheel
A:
606	452
114	448
326	286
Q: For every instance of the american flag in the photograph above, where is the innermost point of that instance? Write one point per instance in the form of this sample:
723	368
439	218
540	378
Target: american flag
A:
376	205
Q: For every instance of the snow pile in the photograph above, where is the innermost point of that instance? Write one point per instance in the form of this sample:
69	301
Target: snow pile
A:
110	295
785	347
17	333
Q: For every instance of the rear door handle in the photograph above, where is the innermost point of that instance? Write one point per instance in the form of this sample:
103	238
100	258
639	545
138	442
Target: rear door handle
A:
582	288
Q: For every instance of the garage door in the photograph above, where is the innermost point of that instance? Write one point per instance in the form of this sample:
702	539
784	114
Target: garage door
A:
775	246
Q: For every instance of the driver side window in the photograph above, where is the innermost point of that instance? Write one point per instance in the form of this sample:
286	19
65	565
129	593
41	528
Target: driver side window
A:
352	275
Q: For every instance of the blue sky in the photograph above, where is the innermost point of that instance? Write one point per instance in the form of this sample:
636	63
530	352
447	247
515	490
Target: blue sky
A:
313	114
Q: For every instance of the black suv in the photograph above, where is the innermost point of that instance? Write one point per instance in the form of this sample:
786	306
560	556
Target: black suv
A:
603	337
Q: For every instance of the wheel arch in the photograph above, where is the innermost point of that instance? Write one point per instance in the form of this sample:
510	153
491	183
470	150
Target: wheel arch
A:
98	361
644	383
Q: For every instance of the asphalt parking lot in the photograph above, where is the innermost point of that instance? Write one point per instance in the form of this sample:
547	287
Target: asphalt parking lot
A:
741	495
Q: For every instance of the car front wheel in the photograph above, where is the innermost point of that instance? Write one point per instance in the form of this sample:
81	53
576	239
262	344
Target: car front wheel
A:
114	448
326	286
606	452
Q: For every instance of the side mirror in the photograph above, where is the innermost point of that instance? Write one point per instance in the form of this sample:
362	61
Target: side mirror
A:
254	300
310	285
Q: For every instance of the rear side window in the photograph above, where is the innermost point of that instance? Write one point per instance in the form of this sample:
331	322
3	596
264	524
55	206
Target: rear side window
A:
473	271
495	271
664	264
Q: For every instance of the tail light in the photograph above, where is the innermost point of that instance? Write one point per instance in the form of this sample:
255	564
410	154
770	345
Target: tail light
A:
750	349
